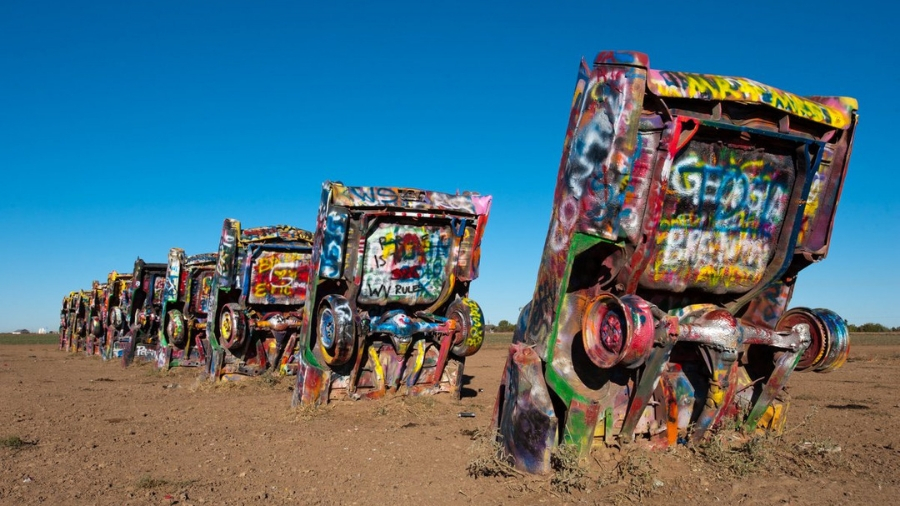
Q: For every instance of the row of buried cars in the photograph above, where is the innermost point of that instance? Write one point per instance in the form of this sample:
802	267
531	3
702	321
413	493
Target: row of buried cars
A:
686	206
375	301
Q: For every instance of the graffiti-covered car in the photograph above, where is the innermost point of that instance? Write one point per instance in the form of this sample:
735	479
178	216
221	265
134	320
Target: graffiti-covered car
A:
138	337
686	205
77	328
388	308
184	309
256	298
114	312
94	336
65	320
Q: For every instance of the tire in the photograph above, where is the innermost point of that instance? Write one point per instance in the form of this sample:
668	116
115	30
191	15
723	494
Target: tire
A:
116	318
232	326
95	329
470	326
829	338
175	331
336	330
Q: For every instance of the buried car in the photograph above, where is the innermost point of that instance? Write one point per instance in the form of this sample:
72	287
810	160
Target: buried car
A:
256	299
388	308
94	336
77	326
136	336
184	309
686	205
114	312
66	321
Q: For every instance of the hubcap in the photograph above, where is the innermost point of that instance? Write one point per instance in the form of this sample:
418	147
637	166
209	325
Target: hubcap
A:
226	326
326	328
611	332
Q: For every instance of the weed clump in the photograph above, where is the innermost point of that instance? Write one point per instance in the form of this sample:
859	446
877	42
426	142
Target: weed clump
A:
739	458
638	475
487	456
568	472
13	442
148	482
310	411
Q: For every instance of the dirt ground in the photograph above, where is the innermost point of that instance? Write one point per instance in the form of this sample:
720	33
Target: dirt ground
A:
76	430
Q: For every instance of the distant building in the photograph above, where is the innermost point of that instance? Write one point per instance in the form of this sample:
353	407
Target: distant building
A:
21	331
42	330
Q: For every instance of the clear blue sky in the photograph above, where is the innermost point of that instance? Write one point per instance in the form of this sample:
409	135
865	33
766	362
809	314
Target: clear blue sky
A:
127	127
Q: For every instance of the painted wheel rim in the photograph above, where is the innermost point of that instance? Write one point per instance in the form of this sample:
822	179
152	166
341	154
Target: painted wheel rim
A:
611	332
175	329
326	328
226	327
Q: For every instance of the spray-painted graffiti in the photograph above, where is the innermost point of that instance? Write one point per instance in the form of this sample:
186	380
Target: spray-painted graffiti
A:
712	87
766	309
145	352
598	169
817	193
201	288
405	263
634	201
159	287
476	335
226	252
173	275
279	277
660	308
595	175
275	232
390	311
362	196
332	254
721	217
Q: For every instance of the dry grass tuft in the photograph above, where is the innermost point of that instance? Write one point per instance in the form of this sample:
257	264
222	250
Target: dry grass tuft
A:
305	412
488	458
147	482
14	442
569	474
635	471
736	455
419	406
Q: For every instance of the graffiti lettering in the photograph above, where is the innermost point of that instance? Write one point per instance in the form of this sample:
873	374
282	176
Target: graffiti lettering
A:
279	277
476	333
376	291
407	272
405	290
361	196
721	217
406	263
